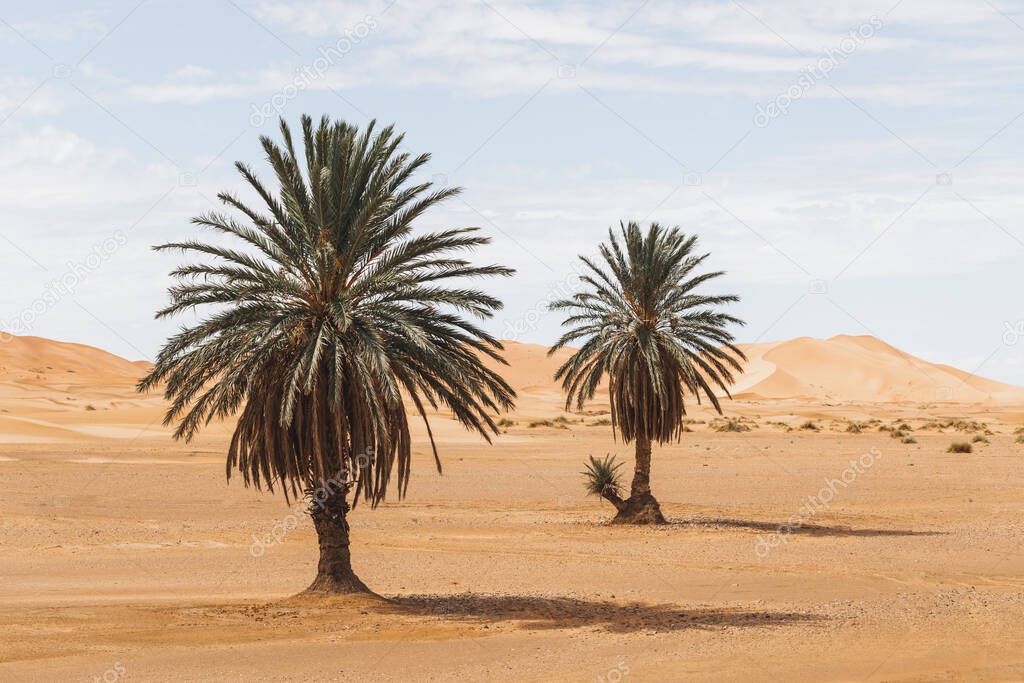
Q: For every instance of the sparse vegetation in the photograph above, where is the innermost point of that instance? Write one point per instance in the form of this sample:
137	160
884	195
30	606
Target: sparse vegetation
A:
555	424
601	422
855	427
960	447
980	438
967	426
810	426
909	439
1020	438
730	425
505	423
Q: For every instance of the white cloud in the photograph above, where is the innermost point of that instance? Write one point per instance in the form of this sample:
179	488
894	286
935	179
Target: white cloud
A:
63	27
21	96
191	72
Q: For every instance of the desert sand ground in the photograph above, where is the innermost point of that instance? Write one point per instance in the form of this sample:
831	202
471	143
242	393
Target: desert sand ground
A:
126	556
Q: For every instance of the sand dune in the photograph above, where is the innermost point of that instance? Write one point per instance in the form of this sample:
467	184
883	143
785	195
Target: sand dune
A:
27	359
52	390
862	369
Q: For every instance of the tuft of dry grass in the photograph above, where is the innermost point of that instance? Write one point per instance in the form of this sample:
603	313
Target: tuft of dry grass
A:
729	425
968	426
556	424
810	426
960	447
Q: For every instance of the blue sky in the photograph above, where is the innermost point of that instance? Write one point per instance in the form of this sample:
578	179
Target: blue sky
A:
854	166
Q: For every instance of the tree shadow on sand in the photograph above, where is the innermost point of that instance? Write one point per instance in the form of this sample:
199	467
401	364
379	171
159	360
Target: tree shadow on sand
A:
805	529
535	612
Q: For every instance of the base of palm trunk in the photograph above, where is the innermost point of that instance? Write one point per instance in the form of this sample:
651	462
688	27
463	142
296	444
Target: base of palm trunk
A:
334	574
337	585
642	509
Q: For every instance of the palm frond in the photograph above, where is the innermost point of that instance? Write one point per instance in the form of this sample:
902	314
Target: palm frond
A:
328	316
601	477
641	322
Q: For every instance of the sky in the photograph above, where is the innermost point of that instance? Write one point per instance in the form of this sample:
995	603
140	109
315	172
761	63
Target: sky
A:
854	167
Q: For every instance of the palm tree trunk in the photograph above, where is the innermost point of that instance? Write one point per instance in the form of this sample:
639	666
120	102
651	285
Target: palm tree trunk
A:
642	472
641	507
334	573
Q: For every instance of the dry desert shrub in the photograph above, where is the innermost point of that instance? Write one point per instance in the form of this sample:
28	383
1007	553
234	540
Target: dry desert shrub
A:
960	447
968	426
730	425
555	424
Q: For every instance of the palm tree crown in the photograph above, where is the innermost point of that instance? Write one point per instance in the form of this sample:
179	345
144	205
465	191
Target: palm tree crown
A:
644	326
330	312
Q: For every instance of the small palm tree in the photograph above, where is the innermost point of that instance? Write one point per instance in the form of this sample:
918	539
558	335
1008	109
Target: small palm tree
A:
644	327
330	316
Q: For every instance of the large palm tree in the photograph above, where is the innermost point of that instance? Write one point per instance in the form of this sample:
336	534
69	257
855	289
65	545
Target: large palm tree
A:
328	326
645	327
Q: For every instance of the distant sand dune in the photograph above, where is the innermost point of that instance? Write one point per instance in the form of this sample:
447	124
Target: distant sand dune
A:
55	391
862	369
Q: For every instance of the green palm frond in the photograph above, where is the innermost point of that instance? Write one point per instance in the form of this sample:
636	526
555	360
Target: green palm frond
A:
641	322
601	477
326	313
